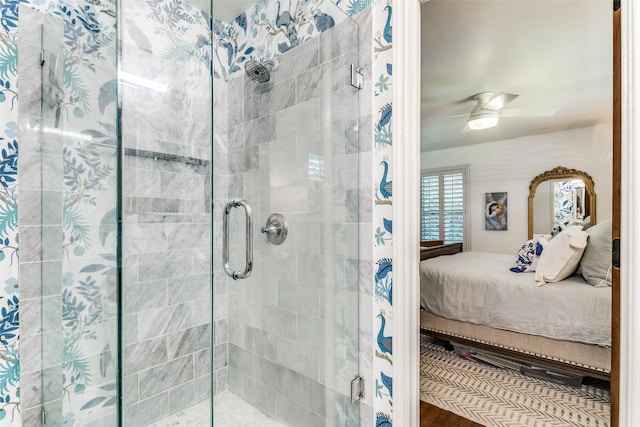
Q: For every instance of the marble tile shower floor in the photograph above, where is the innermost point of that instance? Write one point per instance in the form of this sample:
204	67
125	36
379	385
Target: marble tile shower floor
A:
230	411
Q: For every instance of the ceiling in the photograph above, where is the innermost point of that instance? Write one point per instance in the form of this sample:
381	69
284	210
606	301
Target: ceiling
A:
556	55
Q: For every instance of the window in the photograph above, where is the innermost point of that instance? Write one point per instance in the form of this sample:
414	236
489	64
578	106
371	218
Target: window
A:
443	215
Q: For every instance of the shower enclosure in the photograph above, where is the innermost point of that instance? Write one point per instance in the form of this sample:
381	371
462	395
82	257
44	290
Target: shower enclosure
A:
289	145
153	289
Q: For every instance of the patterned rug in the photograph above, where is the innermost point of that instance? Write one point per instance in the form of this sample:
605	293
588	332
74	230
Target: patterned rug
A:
500	397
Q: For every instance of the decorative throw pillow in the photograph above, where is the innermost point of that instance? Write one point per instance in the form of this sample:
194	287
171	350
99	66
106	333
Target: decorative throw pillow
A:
527	257
595	264
561	255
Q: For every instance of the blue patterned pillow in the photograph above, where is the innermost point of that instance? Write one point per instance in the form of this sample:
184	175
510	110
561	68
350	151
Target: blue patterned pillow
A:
527	257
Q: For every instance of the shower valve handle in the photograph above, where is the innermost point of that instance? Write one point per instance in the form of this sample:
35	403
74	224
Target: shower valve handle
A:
272	230
276	228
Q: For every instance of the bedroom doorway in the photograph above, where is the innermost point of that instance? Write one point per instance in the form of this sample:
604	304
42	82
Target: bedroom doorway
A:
612	182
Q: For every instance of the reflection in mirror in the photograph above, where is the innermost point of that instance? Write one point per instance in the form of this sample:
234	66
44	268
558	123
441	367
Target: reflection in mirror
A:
560	202
560	197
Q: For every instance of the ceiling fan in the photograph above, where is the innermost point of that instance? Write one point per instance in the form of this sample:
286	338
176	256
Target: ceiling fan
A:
485	114
489	109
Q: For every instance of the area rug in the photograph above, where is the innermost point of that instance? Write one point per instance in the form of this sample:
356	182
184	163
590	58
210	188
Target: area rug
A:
504	398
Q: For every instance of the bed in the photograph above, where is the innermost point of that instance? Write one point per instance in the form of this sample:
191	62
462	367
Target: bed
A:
473	297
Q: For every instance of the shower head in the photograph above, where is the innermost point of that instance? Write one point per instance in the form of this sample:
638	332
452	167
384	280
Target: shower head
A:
260	71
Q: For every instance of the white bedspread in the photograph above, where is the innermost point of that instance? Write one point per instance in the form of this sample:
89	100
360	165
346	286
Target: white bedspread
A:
478	288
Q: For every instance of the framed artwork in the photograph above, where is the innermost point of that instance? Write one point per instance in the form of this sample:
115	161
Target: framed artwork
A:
495	211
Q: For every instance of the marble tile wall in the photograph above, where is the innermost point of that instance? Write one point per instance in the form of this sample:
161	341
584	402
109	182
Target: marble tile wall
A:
293	148
166	246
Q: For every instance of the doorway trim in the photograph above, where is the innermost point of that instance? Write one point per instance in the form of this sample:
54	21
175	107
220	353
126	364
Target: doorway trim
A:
629	391
406	172
406	196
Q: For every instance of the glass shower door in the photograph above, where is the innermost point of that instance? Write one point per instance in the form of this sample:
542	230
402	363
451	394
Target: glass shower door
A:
67	215
113	120
293	150
166	116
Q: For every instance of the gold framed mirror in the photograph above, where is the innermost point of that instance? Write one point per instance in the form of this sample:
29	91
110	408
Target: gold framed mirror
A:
560	196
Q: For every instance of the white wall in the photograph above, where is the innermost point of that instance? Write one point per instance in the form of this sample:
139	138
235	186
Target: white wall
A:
510	165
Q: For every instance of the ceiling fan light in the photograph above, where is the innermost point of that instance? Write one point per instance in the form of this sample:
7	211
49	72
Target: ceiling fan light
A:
483	121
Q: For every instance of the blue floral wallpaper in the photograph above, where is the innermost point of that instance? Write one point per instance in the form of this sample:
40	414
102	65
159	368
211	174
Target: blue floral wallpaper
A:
353	7
563	209
270	28
9	303
173	30
383	212
9	294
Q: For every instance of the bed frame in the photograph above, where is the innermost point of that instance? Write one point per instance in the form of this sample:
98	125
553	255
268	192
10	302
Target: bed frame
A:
582	359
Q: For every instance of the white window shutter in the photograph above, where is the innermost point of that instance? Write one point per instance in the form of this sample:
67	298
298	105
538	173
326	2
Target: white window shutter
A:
443	205
430	208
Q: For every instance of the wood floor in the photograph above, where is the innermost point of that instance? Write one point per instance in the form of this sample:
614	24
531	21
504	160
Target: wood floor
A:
432	416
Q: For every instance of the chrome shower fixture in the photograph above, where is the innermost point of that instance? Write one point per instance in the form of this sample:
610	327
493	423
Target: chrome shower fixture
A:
260	72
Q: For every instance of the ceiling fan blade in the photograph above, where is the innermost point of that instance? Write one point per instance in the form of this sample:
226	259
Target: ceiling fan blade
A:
500	101
448	109
445	117
528	112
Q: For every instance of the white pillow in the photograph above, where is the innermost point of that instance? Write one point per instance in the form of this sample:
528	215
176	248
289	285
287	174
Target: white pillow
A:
595	264
561	255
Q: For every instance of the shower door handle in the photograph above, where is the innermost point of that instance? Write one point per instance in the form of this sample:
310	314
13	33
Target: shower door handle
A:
237	203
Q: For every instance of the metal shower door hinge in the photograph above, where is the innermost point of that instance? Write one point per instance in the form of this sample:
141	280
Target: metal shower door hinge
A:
357	79
357	389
